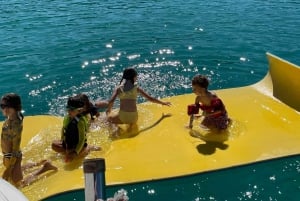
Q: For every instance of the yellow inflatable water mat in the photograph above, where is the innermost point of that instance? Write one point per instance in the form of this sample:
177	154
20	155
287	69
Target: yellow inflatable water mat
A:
161	146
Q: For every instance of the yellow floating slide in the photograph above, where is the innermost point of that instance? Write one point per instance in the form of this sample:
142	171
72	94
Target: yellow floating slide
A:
265	124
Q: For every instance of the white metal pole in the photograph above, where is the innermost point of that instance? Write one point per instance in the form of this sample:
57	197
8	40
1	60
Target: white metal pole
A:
94	174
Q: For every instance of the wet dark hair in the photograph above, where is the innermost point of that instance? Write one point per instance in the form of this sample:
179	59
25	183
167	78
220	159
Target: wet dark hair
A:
12	100
90	108
75	102
201	81
85	99
129	74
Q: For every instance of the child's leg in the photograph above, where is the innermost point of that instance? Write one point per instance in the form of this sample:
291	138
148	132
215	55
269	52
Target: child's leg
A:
114	119
133	128
31	165
58	146
93	148
47	166
85	151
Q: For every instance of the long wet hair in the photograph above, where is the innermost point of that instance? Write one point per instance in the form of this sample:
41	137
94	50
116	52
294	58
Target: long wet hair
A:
129	74
85	99
12	100
89	107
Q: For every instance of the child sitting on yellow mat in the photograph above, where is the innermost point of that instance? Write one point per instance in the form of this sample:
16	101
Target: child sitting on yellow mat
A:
214	111
73	142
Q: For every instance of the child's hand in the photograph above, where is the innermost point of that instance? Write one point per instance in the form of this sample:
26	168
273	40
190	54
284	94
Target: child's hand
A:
70	156
189	126
197	116
167	103
108	111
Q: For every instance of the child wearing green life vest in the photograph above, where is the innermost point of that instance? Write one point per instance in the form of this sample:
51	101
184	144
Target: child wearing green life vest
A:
73	141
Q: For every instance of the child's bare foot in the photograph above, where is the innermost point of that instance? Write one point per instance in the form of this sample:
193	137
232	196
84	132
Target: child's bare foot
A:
166	115
197	116
88	149
42	162
94	148
188	126
48	166
31	165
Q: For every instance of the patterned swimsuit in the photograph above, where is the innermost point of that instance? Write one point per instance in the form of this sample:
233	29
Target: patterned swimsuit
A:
218	120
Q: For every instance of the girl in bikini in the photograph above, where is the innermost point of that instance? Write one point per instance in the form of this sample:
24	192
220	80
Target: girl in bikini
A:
127	91
214	112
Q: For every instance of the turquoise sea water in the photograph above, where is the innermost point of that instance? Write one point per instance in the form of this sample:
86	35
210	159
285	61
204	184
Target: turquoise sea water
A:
269	180
52	49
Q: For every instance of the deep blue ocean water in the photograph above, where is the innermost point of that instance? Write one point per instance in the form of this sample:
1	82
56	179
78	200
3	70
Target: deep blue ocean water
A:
53	49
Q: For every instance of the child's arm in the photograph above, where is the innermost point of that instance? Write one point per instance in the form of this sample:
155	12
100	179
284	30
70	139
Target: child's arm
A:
16	142
82	135
16	139
152	99
191	121
9	161
101	104
112	100
192	116
65	124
